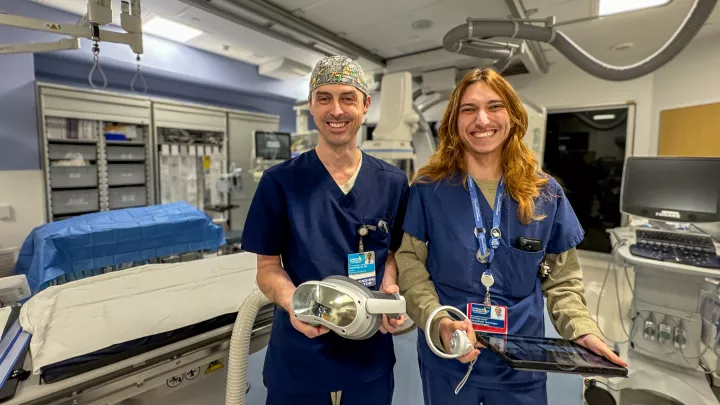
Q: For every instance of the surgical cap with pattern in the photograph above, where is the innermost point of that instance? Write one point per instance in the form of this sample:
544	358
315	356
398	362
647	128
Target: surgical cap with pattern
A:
338	70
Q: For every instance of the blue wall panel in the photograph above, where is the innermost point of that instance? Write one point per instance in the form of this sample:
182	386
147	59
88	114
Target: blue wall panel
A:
51	68
19	146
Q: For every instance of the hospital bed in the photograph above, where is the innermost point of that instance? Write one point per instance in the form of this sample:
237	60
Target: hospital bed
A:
174	357
113	315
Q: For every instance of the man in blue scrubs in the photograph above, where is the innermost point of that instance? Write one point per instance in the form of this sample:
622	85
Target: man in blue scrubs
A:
305	219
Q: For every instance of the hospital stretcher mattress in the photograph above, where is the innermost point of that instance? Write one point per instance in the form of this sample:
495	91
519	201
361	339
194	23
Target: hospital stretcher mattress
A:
101	358
99	313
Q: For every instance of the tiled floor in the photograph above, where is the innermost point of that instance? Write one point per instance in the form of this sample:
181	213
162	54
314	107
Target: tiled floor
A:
562	389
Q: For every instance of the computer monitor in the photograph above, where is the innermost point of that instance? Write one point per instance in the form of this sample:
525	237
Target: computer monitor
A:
672	189
272	145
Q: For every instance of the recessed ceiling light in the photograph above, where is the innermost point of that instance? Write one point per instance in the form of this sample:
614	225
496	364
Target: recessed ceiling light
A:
620	6
170	29
422	24
601	117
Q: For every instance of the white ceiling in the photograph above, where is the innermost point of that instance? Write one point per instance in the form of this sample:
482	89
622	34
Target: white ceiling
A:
385	28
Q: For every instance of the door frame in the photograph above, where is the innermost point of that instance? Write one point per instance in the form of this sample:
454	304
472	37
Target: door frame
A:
632	111
629	134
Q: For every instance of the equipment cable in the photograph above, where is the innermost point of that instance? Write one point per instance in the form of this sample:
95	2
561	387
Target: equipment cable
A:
611	264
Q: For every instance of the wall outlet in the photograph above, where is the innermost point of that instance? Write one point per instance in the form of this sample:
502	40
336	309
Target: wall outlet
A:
5	212
649	332
665	333
680	338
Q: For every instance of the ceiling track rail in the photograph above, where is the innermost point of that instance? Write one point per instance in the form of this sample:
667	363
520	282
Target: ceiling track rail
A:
287	19
518	11
219	12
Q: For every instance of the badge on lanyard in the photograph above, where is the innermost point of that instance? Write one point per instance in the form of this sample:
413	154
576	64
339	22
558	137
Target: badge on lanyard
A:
486	317
361	266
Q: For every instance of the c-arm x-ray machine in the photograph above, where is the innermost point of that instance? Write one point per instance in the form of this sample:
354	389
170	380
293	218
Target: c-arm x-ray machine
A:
99	13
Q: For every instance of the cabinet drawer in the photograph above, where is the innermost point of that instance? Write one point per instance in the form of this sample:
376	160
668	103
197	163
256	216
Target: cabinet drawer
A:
126	174
72	152
73	201
126	197
73	176
131	153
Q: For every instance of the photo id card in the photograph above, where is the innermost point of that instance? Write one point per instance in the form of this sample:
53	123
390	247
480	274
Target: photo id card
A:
488	318
361	267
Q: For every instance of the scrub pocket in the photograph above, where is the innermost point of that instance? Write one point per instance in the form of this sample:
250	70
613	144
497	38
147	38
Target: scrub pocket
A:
523	270
378	237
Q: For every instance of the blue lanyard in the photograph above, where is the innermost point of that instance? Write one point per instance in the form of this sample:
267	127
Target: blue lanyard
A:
485	255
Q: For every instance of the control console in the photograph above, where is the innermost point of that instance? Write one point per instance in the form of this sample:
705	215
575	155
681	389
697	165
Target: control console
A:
691	249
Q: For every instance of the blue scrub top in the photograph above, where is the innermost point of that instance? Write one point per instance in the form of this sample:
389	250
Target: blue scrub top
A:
441	214
301	214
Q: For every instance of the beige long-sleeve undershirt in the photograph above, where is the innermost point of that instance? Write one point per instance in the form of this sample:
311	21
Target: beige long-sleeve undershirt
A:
564	287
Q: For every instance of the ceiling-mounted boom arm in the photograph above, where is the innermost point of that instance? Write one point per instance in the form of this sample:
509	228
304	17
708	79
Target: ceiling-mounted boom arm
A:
99	13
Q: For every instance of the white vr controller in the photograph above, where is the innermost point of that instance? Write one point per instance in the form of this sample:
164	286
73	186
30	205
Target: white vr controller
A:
460	343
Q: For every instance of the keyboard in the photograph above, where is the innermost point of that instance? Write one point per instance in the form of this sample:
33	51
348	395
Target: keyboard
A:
676	247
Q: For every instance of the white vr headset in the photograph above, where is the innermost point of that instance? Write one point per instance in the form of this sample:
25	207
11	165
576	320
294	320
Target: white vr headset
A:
345	306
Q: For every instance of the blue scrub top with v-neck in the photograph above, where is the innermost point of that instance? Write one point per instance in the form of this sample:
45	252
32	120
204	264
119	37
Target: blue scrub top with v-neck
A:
301	214
441	214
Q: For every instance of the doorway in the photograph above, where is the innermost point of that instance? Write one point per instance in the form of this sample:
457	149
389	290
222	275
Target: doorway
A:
585	152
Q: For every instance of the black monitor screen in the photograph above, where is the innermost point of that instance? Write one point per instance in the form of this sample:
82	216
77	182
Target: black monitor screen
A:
672	189
272	145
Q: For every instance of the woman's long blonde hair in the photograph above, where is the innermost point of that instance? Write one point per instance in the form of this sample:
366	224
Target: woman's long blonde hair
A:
523	179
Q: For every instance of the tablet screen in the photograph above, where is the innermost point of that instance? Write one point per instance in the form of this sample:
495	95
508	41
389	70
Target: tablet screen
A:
563	354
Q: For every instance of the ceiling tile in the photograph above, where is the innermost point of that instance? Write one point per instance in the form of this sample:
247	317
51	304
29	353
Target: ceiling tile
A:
347	15
392	35
562	10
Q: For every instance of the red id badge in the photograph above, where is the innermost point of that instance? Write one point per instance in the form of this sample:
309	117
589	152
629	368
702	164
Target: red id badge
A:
488	318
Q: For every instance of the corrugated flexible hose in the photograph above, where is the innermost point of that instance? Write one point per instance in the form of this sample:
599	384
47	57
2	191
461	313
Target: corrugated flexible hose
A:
460	40
237	376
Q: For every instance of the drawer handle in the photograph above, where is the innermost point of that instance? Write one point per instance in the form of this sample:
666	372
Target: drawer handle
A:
128	198
75	175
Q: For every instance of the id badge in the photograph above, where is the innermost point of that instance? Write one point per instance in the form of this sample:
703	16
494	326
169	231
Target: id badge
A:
488	318
361	267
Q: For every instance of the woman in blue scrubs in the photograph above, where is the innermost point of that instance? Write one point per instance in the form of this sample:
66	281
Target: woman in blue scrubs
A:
482	208
305	219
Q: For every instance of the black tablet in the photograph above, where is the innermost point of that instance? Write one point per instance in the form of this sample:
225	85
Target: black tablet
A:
549	355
